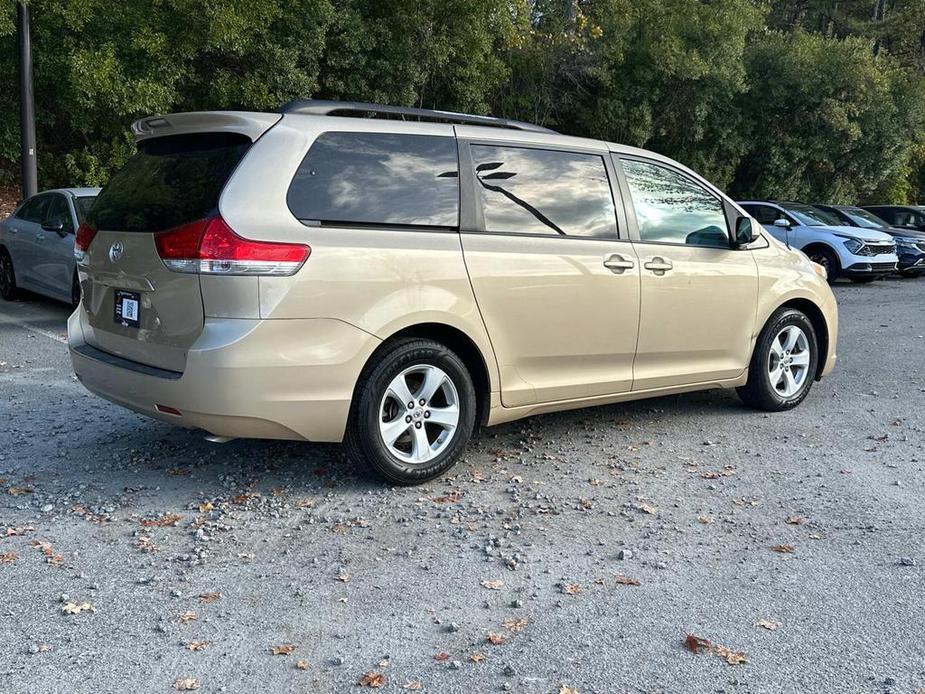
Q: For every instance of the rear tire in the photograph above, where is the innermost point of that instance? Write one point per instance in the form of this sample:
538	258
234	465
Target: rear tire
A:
413	412
8	288
828	260
783	364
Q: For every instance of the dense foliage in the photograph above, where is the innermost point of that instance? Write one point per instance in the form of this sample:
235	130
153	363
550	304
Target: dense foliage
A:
804	99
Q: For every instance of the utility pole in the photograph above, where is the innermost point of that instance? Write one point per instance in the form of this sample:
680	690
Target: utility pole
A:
30	184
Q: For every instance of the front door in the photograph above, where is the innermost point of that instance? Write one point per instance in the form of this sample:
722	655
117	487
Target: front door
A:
557	288
699	295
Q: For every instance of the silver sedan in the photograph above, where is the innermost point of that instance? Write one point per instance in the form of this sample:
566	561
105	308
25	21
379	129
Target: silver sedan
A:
37	244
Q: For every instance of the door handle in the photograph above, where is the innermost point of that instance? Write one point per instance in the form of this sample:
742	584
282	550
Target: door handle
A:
658	266
617	264
40	237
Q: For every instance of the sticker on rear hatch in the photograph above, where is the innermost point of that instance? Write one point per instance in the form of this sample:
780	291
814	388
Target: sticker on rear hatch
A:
126	308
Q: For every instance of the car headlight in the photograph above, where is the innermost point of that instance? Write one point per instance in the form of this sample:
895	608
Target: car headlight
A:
903	241
853	246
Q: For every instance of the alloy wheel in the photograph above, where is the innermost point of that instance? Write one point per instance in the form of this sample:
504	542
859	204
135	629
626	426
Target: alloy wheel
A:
419	414
788	361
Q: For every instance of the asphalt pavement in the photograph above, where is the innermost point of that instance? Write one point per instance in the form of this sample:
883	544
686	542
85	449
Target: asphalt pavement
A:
568	552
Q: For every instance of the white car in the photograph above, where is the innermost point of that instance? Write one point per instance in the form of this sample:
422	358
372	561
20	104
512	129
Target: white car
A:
861	255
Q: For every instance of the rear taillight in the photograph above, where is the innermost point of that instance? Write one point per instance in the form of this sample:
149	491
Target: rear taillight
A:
82	239
210	246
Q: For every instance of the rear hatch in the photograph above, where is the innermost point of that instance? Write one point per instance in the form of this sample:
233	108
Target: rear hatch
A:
137	307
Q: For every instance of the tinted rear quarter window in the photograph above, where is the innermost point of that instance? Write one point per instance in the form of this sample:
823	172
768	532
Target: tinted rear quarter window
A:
170	181
378	179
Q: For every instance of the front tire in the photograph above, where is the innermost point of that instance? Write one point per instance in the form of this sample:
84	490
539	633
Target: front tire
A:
783	364
413	412
8	288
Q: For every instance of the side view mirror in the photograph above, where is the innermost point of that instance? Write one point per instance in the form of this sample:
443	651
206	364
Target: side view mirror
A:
782	223
55	225
745	232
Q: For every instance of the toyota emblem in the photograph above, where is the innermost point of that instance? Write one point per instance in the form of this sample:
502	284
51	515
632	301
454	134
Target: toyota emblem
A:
115	251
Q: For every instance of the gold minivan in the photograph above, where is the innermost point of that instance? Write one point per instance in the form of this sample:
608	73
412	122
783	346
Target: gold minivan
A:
395	278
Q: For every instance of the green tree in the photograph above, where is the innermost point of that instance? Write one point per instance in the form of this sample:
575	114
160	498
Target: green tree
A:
829	119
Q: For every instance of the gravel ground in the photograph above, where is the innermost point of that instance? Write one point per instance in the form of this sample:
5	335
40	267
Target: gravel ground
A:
188	563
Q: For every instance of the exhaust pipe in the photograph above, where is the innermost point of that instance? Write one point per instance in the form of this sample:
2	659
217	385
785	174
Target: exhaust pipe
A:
212	438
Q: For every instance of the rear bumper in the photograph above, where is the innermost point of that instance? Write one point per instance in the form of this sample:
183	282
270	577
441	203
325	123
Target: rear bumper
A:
278	379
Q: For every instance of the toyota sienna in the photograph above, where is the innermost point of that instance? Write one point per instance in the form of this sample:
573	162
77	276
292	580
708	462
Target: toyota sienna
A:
396	278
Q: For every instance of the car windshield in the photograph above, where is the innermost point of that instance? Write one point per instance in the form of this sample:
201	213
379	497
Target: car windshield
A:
863	218
810	216
82	204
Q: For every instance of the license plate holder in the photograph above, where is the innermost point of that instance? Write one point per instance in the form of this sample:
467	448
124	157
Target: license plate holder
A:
127	308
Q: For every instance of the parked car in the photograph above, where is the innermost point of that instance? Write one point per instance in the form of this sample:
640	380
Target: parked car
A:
910	243
900	216
395	284
37	244
861	255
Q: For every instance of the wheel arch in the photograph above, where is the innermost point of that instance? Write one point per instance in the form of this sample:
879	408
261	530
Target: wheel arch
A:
460	343
822	245
820	326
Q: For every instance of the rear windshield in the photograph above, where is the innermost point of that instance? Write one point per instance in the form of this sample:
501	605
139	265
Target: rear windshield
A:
170	181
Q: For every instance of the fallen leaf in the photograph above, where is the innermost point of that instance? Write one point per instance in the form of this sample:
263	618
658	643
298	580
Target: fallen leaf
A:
301	665
8	557
343	577
476	657
442	656
186	684
571	589
285	649
706	520
75	608
19	491
647	508
784	549
12	532
494	584
414	685
495	639
245	497
769	624
166	520
206	506
626	580
567	690
697	644
209	598
198	645
188	616
794	520
450	497
371	679
514	624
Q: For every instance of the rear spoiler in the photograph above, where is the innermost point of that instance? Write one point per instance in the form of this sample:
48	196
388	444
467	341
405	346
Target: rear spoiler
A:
250	124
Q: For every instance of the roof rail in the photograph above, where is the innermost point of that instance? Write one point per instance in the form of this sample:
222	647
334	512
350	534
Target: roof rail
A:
321	107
